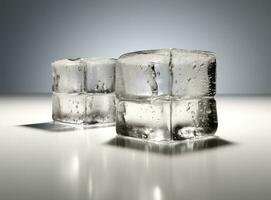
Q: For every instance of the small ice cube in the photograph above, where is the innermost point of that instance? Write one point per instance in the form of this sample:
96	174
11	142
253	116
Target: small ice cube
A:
69	108
68	76
83	91
100	75
100	108
193	117
143	74
194	73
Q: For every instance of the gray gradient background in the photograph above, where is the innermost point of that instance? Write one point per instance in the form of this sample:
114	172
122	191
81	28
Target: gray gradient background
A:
33	33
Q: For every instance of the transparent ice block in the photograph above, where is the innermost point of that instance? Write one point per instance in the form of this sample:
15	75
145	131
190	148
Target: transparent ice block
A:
69	108
156	84
146	119
100	75
100	108
83	91
193	73
68	76
143	74
193	117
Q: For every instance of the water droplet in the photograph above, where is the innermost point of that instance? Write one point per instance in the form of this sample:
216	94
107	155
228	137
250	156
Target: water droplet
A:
188	106
145	136
194	67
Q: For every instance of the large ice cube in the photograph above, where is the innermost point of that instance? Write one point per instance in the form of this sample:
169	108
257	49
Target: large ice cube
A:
144	79
100	75
68	76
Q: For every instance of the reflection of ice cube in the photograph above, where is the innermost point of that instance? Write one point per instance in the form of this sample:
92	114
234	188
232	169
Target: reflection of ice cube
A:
142	74
68	76
193	117
100	108
144	119
100	75
69	108
194	73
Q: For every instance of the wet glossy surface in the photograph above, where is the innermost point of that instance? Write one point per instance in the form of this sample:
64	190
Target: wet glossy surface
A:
43	160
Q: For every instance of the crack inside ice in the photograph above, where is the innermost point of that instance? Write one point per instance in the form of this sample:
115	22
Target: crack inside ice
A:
151	77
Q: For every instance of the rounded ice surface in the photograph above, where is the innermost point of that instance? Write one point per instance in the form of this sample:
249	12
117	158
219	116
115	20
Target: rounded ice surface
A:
84	61
163	55
99	61
99	75
67	62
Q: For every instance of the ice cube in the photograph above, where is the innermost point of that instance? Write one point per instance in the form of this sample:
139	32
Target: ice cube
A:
100	108
100	75
193	117
83	90
194	73
68	108
144	119
143	74
144	79
175	72
68	76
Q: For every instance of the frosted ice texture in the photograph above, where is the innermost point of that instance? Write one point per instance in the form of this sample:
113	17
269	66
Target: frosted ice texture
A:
158	84
100	75
83	91
68	76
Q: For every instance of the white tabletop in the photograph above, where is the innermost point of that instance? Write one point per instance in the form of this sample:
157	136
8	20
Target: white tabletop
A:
40	160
